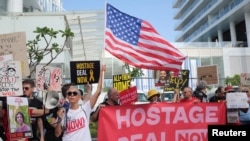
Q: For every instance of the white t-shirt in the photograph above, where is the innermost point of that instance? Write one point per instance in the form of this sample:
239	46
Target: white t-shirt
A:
77	124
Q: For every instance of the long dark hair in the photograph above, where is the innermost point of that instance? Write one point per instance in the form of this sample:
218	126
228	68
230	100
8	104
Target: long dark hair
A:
19	113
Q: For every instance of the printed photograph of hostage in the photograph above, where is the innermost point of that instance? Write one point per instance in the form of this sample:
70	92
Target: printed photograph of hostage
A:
163	77
21	126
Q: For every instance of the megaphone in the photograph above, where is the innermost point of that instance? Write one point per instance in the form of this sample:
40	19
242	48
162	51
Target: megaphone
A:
52	99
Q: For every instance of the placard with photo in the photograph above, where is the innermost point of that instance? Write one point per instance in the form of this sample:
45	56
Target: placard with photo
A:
19	118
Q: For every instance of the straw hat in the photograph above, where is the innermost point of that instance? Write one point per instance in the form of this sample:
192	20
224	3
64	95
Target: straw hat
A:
152	93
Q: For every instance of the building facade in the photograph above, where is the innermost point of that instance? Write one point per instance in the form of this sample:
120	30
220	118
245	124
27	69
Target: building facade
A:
20	6
230	57
213	21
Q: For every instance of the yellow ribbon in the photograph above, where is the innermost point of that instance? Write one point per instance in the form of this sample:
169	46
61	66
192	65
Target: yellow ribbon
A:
91	76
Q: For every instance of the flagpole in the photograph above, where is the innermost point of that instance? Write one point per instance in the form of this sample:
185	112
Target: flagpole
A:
103	48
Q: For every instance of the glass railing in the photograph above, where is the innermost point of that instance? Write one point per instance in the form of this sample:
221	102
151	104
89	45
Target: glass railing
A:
209	44
190	8
217	16
199	14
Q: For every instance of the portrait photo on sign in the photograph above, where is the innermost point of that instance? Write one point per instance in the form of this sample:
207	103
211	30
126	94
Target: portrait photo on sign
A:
19	118
162	77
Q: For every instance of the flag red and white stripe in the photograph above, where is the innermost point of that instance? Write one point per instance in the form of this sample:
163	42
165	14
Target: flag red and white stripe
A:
137	43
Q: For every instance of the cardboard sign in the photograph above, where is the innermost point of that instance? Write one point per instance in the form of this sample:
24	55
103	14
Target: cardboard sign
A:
178	82
121	82
18	108
10	79
48	76
208	73
245	79
83	72
128	96
15	44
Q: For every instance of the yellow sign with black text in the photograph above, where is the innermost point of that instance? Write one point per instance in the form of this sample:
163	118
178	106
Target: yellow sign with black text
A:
121	82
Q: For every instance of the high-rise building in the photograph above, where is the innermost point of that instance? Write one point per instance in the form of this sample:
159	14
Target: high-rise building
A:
213	21
20	6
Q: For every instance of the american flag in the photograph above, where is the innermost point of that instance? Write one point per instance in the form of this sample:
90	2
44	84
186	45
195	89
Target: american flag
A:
137	43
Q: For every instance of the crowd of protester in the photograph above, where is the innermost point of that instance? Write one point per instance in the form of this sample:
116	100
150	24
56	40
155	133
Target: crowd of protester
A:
52	124
199	94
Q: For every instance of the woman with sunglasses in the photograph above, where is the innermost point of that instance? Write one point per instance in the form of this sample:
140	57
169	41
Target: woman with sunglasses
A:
74	122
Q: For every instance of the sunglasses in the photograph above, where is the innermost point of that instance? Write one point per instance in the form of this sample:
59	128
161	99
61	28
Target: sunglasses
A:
74	93
26	88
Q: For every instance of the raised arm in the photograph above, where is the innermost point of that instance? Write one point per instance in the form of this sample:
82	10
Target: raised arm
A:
98	91
176	96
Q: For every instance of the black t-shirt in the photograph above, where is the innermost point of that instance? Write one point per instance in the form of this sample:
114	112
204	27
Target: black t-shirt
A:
36	104
200	95
217	98
50	130
47	119
103	103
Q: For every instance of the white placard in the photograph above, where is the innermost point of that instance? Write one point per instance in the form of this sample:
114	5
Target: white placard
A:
237	100
10	78
19	118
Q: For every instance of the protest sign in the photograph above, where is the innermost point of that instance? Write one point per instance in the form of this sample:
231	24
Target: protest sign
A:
128	96
10	78
208	73
48	76
8	57
178	82
83	72
245	79
19	118
237	100
121	82
15	44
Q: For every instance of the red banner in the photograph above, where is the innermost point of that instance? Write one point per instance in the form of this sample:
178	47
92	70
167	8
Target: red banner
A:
159	122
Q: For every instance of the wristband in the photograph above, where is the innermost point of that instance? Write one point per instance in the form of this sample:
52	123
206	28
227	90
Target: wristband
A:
31	111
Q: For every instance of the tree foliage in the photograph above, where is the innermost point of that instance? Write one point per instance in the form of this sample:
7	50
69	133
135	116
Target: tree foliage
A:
234	81
134	72
51	49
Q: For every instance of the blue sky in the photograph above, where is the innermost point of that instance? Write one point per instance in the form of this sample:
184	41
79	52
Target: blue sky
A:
158	12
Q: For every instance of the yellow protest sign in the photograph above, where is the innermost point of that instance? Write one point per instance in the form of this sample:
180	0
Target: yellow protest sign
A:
121	82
